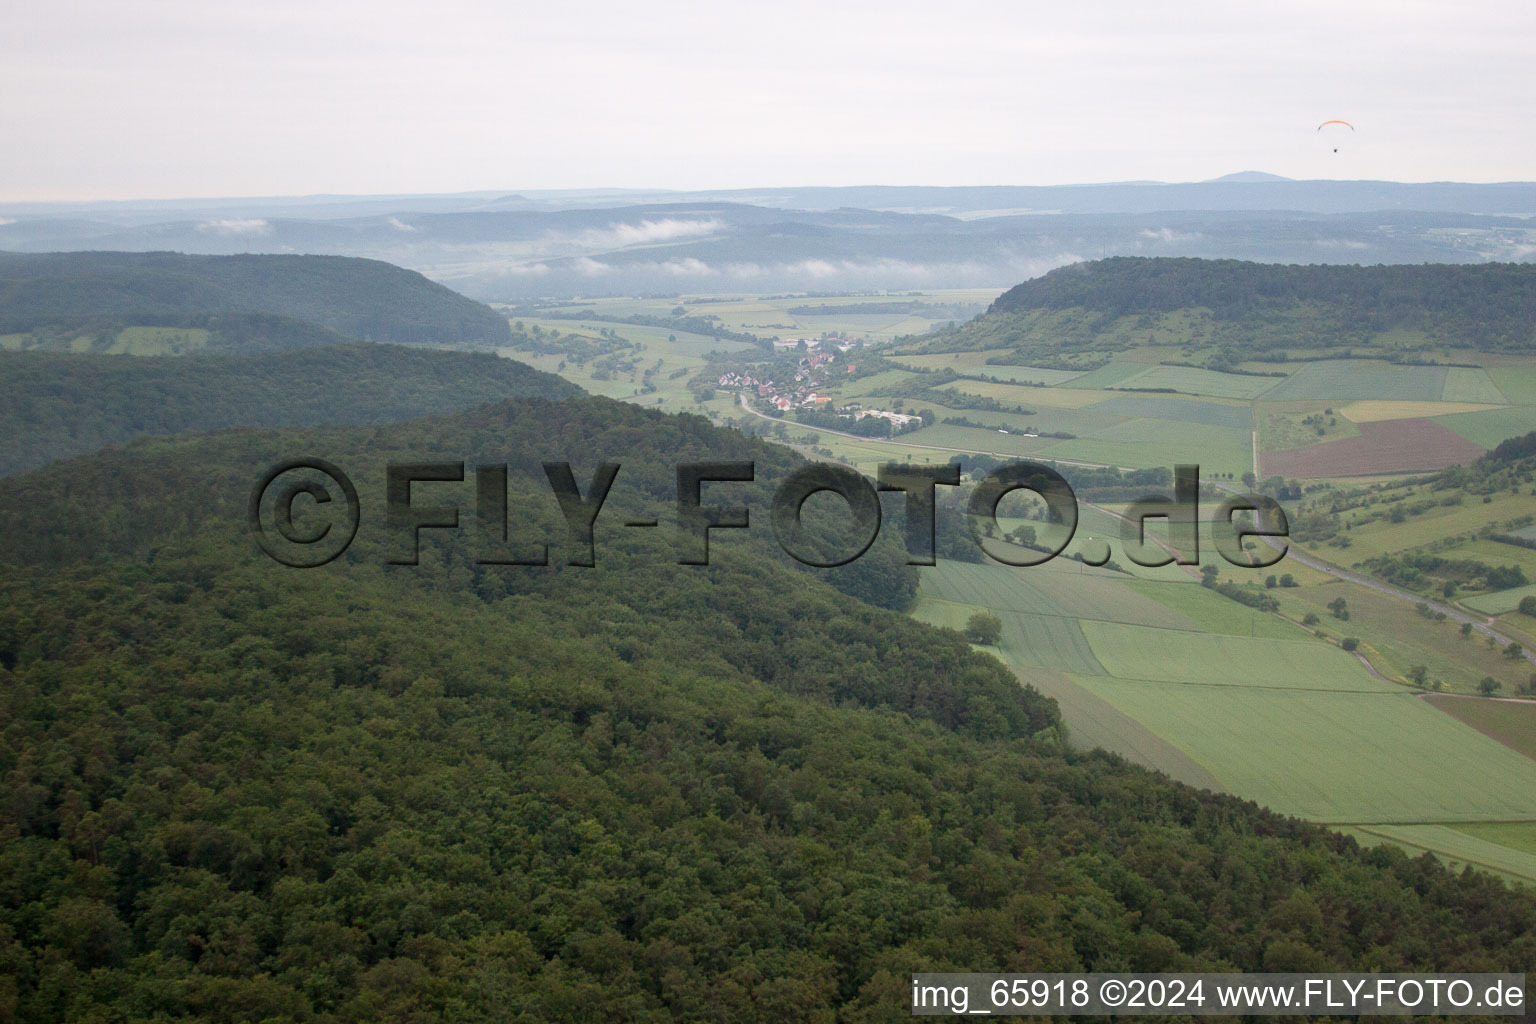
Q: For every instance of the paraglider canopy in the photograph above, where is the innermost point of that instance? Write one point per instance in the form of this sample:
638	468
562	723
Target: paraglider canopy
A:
1333	131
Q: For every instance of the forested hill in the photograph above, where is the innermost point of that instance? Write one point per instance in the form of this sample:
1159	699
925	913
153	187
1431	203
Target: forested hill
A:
1488	305
55	405
364	299
643	791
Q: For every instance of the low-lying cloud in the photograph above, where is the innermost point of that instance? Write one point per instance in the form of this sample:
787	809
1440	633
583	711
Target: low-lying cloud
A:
233	226
621	235
584	275
1171	236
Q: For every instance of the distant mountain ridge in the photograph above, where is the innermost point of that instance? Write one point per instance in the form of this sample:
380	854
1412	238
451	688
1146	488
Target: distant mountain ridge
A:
597	242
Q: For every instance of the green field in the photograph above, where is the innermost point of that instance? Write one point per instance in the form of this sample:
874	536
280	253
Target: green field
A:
1061	587
1512	723
1214	449
1110	374
1464	384
1214	613
1337	757
1030	397
1194	381
1032	642
1500	602
1206	661
1490	426
1189	410
1516	382
1361	378
1182	440
1463	844
1097	723
1517	835
960	362
1029	374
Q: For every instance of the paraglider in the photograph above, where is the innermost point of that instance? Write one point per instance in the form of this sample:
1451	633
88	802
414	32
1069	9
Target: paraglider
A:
1332	131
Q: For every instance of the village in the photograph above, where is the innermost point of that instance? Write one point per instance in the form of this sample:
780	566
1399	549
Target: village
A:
801	392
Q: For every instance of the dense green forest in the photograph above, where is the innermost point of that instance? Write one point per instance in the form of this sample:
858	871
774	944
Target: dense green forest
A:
644	791
54	406
359	298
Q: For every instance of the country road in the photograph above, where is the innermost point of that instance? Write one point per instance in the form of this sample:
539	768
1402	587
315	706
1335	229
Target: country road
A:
1380	586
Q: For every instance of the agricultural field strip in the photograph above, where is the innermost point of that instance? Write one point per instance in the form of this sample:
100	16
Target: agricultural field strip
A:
1369	410
1509	722
1055	592
1094	722
1464	384
1336	757
1111	373
1198	381
1360	379
981	605
1149	654
1255	686
1515	835
1187	410
1491	426
1444	839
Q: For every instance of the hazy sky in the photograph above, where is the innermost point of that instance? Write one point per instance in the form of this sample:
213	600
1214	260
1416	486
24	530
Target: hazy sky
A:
196	98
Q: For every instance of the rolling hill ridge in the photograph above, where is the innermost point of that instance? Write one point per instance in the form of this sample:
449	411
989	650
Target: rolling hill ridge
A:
362	299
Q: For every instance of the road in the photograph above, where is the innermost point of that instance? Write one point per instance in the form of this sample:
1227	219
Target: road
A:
1370	582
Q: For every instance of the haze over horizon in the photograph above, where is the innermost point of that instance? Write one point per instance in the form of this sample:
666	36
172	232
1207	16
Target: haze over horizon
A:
622	191
175	99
